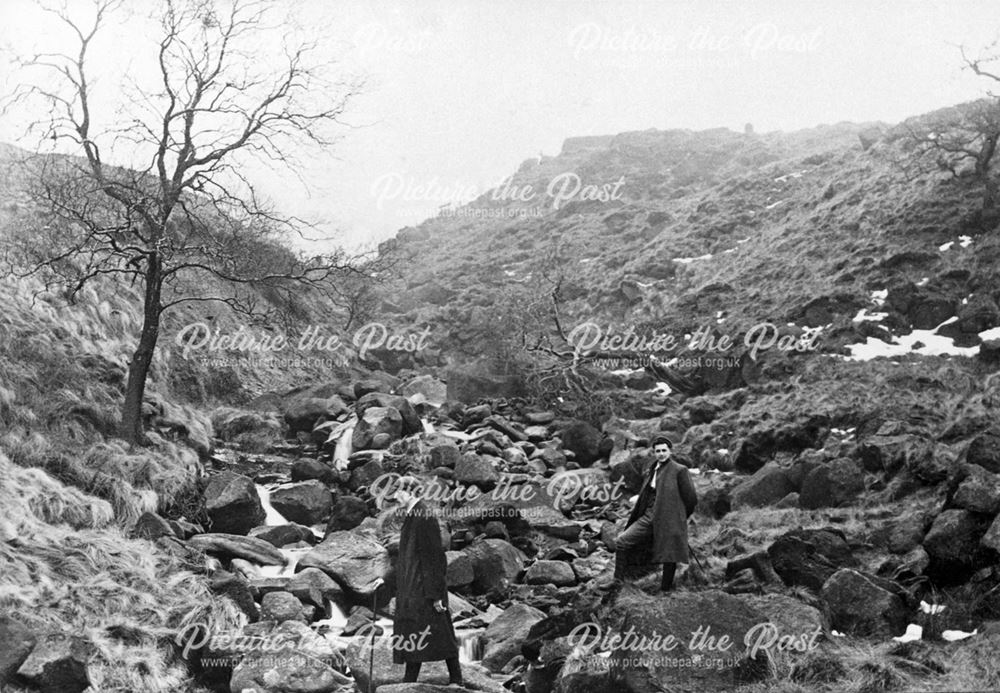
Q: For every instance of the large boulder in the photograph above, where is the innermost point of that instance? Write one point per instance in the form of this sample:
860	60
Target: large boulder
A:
238	546
831	485
433	390
304	413
411	420
58	664
978	492
889	453
347	513
503	638
863	605
306	502
766	486
675	620
282	606
233	504
377	428
808	557
353	559
984	450
495	564
558	573
584	440
477	470
952	543
925	308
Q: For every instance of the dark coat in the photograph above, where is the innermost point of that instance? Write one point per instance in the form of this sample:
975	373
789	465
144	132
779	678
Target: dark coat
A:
420	580
673	504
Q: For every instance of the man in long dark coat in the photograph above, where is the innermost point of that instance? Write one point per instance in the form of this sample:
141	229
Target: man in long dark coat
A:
421	590
659	518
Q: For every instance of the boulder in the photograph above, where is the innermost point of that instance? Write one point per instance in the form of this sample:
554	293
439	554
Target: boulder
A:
952	542
503	638
590	567
978	492
151	526
303	414
583	440
305	502
991	540
233	504
313	586
766	486
460	570
434	391
495	564
282	606
788	613
676	618
558	573
476	470
286	671
305	469
411	420
889	453
808	557
859	605
18	642
377	428
347	513
984	450
831	485
237	546
445	455
281	535
353	559
58	664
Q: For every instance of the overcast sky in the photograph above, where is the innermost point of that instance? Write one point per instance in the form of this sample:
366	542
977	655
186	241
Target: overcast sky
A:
459	93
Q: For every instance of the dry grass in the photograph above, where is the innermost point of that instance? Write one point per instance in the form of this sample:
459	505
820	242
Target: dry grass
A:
65	567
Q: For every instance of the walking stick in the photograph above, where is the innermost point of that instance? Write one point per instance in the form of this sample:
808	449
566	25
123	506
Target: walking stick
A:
371	654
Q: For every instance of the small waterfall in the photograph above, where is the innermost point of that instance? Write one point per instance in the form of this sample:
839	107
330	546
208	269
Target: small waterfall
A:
428	426
470	645
272	517
344	446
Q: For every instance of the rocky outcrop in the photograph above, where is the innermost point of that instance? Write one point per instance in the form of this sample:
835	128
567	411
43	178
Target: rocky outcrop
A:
354	560
863	605
306	502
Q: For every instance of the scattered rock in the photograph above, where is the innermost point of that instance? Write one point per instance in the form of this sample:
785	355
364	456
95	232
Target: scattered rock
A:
767	485
233	504
305	502
281	606
503	638
808	557
495	564
831	485
58	664
558	573
859	605
354	560
238	546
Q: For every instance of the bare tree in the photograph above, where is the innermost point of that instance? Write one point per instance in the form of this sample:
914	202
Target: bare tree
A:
186	216
961	140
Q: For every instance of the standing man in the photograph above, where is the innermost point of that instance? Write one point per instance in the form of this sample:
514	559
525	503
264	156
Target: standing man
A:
660	515
421	589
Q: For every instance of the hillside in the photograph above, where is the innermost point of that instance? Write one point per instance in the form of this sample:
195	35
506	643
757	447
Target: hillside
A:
848	484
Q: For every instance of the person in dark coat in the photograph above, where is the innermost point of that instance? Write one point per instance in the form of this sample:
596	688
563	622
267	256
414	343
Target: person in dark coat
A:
422	615
659	518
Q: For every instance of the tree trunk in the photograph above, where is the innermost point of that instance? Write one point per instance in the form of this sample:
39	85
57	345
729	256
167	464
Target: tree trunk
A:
138	369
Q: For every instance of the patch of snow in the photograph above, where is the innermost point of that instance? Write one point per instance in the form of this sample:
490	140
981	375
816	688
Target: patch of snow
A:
509	273
965	241
774	204
587	259
931	608
663	387
687	260
645	285
913	632
863	316
879	296
953	635
743	240
946	246
934	344
723	451
923	281
836	633
793	174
